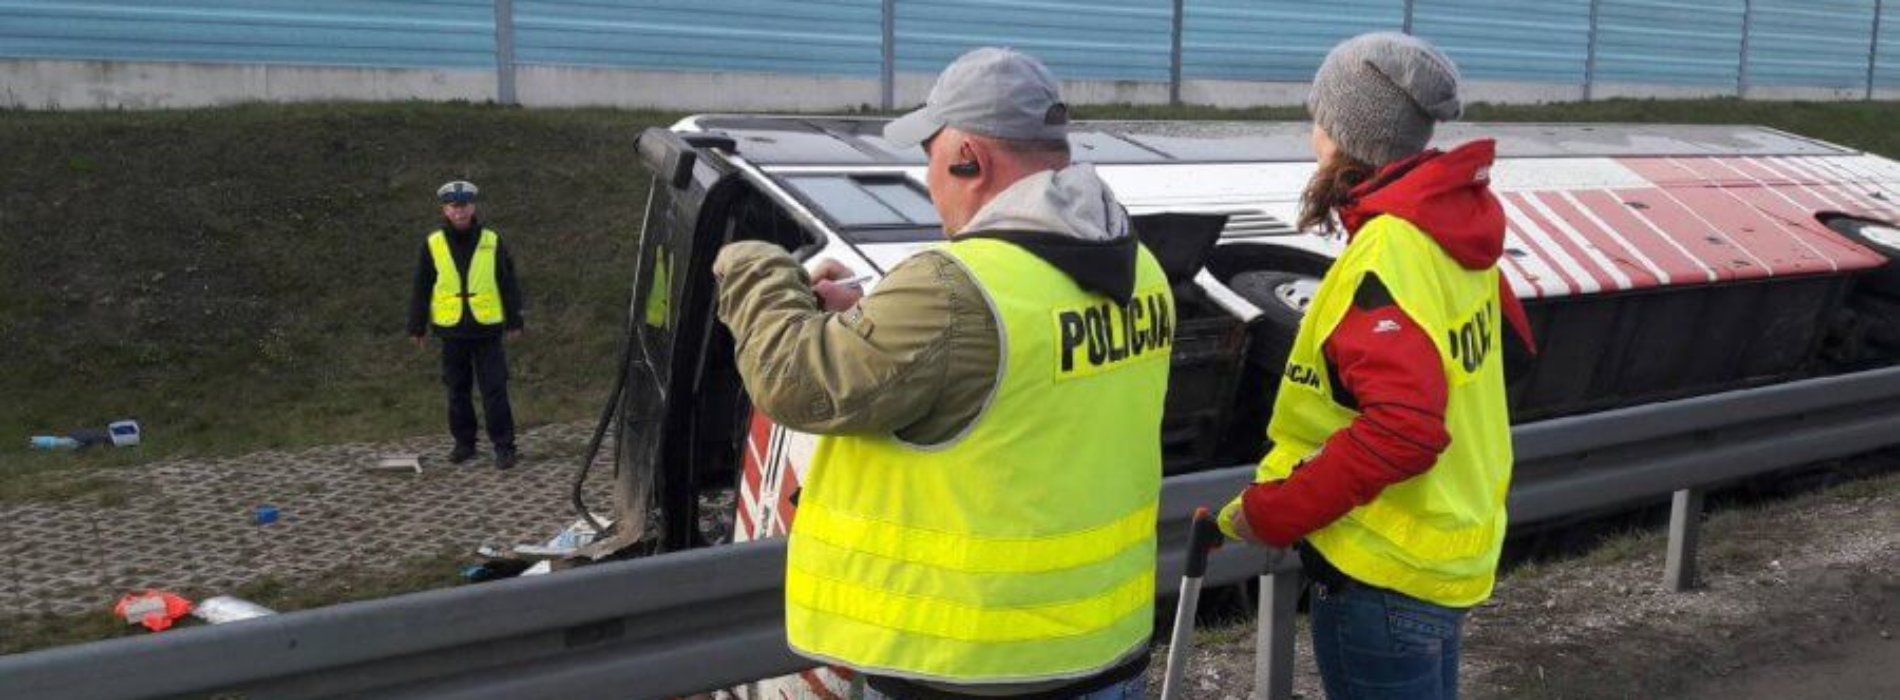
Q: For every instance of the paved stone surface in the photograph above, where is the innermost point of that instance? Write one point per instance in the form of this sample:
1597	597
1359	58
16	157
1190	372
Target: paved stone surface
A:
187	522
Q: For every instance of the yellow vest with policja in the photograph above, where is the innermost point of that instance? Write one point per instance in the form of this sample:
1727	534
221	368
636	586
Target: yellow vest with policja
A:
482	293
1024	549
1436	536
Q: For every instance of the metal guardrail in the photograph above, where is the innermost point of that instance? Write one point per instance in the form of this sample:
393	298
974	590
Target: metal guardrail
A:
1570	467
698	620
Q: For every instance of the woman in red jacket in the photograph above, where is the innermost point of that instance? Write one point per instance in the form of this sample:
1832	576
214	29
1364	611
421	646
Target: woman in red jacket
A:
1391	441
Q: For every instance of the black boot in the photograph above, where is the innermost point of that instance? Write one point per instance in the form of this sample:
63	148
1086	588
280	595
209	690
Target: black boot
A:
461	453
506	458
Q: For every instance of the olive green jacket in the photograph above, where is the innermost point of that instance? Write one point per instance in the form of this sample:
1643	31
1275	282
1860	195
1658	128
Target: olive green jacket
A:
916	357
919	355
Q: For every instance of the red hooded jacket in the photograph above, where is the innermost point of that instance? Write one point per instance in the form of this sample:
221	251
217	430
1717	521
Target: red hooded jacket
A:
1384	365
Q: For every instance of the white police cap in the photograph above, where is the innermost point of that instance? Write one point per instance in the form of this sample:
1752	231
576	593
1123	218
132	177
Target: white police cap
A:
457	191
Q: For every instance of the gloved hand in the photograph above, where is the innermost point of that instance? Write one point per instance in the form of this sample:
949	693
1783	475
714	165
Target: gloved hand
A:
1233	521
1233	524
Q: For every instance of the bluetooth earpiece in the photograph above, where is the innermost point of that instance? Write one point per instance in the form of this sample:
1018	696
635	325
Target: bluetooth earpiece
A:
967	168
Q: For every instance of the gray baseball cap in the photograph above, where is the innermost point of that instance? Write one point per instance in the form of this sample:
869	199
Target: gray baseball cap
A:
1000	93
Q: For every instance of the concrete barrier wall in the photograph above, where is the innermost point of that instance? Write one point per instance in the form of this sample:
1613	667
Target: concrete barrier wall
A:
834	54
68	84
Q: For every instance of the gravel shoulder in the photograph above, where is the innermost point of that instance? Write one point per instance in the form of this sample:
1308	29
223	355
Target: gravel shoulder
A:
1799	598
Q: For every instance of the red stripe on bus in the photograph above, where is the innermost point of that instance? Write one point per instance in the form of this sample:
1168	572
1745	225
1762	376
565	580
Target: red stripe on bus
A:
1811	186
788	485
1665	251
1531	290
817	686
1703	241
1619	250
1782	184
745	519
1537	250
1588	265
1798	219
1768	240
1851	192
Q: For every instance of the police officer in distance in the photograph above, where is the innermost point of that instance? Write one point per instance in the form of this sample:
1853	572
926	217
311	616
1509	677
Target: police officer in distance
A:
979	518
466	293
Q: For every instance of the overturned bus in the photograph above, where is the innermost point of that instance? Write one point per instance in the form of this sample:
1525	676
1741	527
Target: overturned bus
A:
1655	262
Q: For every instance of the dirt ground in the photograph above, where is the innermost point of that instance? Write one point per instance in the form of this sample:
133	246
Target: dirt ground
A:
1800	598
1856	668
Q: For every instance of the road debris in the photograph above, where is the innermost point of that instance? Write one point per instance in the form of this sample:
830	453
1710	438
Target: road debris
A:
398	462
221	609
576	536
53	442
123	433
155	609
495	570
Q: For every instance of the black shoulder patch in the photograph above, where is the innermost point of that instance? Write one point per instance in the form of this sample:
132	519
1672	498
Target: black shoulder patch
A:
1371	294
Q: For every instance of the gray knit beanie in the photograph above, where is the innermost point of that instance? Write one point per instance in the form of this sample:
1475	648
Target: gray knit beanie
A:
1378	95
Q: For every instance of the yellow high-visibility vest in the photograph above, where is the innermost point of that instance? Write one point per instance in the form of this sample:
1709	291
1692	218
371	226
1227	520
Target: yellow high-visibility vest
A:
1436	536
482	293
1024	549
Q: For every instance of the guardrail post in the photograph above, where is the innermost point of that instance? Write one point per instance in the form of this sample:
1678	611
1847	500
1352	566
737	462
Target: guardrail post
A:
1590	54
505	51
887	74
1274	633
1174	54
1685	523
1407	27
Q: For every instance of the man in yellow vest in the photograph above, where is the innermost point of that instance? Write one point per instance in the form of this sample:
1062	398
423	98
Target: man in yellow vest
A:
1391	440
466	292
979	518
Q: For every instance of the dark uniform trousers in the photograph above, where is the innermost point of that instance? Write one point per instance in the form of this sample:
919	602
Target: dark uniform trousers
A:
466	362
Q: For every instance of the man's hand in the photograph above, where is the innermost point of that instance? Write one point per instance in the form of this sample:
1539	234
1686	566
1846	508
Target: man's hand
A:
832	295
421	341
829	269
835	297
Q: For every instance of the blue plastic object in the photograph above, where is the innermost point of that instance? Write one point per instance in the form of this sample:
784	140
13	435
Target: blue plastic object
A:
264	515
53	442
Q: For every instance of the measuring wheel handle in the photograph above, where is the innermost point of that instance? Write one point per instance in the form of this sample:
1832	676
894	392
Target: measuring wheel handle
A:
1204	537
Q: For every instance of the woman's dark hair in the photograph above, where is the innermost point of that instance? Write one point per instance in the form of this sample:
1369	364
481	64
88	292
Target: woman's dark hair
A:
1330	189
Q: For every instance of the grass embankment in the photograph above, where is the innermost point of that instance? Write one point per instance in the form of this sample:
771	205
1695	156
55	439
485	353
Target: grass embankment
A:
236	278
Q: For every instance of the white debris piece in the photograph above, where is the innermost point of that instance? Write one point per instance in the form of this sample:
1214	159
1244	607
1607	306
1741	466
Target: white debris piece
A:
576	536
218	610
399	462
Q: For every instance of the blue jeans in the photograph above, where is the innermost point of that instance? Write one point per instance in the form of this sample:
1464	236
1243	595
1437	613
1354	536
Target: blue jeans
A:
1132	689
1374	644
